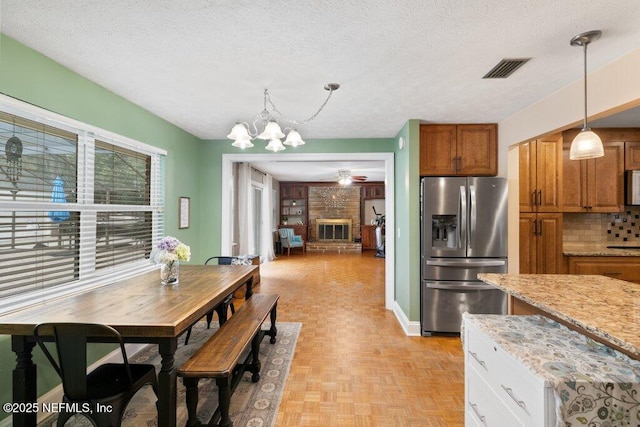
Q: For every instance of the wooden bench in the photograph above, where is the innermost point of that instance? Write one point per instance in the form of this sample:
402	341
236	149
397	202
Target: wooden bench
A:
219	357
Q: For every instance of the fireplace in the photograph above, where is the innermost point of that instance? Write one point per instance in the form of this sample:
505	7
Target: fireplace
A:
333	230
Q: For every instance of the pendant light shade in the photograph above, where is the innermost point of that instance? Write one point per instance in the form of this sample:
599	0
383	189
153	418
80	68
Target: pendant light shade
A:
586	145
271	131
293	139
239	131
275	145
242	143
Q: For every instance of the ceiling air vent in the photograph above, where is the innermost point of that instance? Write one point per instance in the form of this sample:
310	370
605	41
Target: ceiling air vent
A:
505	68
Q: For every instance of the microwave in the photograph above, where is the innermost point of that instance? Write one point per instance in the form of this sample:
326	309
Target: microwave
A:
632	182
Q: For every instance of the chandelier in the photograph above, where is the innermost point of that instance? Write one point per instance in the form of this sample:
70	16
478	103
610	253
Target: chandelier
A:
265	126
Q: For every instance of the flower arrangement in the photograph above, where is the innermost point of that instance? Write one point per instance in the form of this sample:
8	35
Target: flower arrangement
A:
167	253
169	250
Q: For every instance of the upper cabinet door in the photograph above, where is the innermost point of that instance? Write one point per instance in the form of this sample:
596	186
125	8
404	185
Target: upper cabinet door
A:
437	150
541	175
574	178
477	150
606	180
549	173
631	155
594	185
462	150
527	180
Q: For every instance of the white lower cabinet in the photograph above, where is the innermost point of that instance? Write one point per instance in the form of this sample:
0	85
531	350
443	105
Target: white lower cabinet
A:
500	390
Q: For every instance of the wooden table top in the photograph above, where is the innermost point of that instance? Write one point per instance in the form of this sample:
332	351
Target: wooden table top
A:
138	306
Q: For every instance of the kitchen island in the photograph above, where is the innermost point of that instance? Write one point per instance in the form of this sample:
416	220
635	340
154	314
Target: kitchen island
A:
605	309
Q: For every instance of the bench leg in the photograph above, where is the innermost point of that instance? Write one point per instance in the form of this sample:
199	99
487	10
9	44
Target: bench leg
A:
224	400
191	385
273	331
254	368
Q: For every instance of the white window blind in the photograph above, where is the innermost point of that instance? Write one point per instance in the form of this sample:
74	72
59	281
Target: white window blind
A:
76	203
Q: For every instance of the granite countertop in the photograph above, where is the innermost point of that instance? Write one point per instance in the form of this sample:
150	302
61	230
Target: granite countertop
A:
605	307
598	249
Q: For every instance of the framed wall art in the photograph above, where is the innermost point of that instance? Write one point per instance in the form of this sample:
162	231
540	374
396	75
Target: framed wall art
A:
184	208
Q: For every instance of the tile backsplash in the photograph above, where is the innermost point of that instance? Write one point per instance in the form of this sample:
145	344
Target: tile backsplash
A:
592	228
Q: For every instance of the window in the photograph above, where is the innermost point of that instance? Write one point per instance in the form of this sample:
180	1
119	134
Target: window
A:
76	203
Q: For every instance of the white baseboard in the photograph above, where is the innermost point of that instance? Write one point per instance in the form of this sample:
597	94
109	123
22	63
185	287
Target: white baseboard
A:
411	328
55	394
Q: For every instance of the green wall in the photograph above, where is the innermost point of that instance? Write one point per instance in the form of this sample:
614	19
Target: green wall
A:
31	77
407	216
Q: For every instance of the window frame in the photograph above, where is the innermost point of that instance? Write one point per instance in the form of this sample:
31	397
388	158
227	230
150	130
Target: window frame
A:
87	134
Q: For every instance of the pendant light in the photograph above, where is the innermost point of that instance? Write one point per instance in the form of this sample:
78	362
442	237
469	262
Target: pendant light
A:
587	144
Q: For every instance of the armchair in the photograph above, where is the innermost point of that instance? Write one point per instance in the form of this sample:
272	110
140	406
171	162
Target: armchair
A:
289	240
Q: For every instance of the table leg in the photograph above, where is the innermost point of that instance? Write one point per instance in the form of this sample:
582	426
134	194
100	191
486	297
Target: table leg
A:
249	290
167	392
24	379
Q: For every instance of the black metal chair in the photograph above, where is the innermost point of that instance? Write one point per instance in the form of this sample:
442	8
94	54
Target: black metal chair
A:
111	385
225	305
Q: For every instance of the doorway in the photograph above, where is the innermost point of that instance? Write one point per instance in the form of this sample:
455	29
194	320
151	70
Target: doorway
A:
387	158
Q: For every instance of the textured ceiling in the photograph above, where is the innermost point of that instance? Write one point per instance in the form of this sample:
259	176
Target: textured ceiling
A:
203	64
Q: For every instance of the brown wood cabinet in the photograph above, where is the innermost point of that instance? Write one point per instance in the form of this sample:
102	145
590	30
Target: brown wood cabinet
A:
541	243
594	185
623	268
631	155
293	204
373	191
368	235
541	174
447	150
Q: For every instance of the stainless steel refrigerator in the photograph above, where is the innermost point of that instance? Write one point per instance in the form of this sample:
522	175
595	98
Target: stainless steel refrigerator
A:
464	232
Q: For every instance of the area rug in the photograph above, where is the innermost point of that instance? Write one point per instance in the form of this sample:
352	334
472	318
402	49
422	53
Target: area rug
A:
252	404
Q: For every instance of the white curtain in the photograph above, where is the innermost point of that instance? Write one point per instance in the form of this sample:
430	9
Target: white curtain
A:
266	233
246	242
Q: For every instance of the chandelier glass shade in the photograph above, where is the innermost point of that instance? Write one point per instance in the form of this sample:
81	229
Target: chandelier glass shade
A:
344	177
587	144
265	126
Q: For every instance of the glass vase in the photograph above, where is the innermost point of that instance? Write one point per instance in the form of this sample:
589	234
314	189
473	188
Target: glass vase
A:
170	273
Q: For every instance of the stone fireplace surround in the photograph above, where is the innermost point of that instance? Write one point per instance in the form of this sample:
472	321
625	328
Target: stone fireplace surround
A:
329	204
334	203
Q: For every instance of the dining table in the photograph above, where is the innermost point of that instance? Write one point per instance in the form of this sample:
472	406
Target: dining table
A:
141	309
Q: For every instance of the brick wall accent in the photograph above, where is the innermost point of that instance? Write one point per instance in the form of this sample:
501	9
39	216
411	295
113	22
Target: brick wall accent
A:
333	203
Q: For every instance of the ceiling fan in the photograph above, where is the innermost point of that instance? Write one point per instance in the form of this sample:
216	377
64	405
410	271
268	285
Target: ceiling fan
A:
345	177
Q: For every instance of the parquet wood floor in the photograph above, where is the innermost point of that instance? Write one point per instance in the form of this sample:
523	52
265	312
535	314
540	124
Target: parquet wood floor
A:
353	364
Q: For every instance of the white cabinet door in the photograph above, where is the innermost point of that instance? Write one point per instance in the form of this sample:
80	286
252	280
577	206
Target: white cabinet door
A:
517	390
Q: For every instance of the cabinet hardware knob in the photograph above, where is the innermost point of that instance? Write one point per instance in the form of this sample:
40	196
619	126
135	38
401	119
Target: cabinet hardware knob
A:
475	409
513	396
481	362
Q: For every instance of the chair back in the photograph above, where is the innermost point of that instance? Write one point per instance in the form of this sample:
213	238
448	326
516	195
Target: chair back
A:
222	260
71	348
286	233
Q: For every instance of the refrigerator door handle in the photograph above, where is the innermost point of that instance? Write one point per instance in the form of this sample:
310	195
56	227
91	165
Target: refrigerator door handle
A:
468	263
472	215
467	287
462	215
